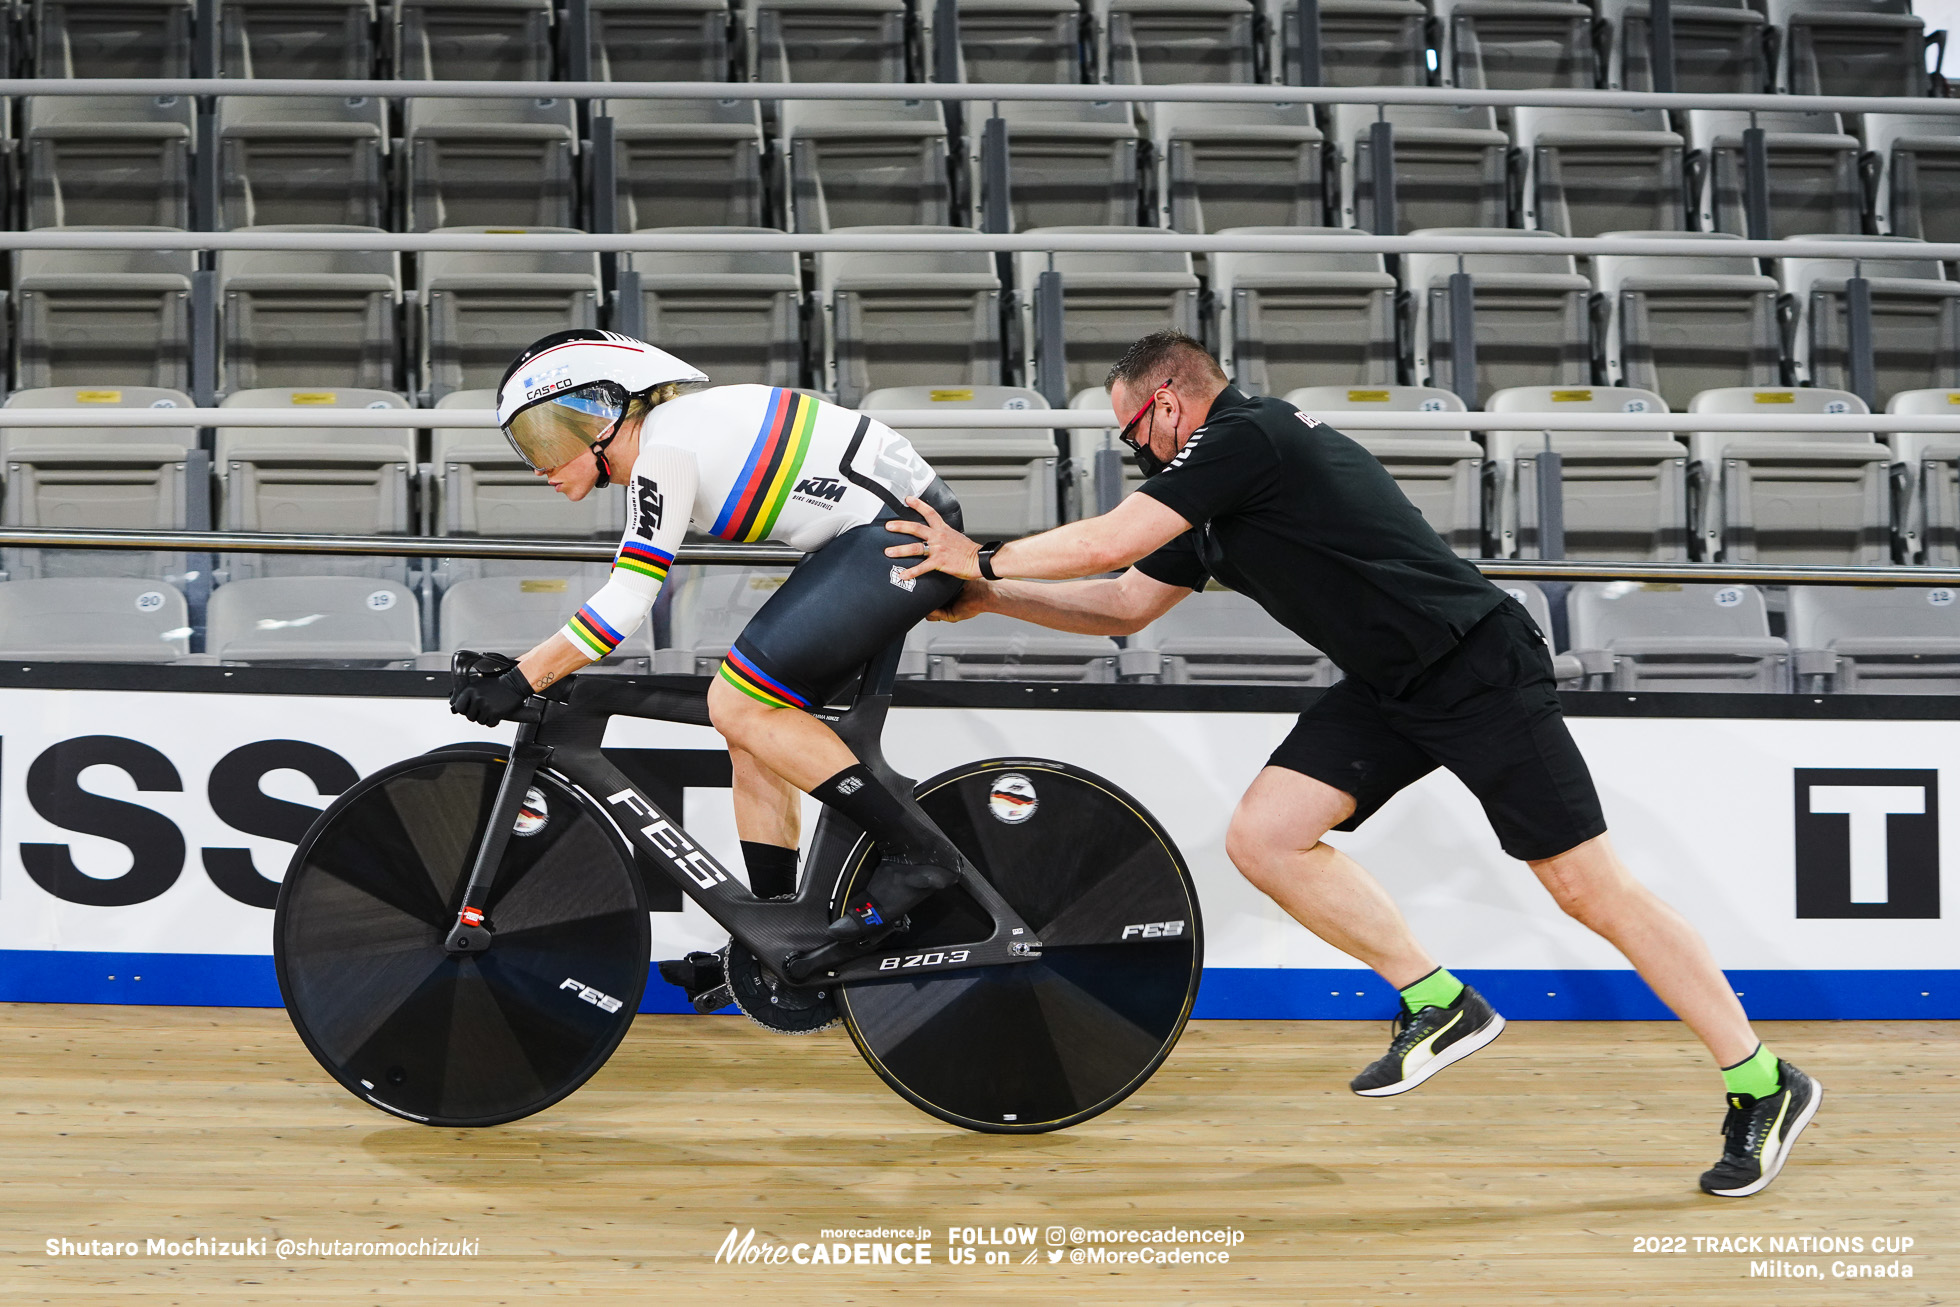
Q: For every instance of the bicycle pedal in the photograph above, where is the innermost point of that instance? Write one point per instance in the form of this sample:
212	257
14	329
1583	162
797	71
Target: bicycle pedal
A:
712	1000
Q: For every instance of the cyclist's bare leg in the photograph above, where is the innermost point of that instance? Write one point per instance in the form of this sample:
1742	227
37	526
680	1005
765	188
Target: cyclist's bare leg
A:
793	745
768	809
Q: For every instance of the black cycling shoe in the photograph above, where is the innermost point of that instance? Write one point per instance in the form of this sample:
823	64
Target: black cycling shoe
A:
705	978
898	884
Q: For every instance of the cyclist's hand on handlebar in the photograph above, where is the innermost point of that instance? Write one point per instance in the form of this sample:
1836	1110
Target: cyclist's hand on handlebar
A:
486	687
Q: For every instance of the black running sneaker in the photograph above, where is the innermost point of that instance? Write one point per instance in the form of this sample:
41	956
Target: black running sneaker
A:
1758	1132
1428	1041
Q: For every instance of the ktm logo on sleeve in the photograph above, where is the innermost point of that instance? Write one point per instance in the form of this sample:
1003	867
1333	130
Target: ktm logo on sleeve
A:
650	507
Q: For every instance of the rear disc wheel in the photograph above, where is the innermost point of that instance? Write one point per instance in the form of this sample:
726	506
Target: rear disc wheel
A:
476	1039
1032	1046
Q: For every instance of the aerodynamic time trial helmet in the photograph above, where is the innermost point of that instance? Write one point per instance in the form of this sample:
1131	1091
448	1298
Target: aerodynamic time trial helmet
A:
566	393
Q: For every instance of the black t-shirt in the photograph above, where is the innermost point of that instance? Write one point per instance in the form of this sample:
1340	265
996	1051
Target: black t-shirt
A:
1304	520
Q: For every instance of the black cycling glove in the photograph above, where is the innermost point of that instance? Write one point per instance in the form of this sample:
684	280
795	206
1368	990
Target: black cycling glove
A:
486	688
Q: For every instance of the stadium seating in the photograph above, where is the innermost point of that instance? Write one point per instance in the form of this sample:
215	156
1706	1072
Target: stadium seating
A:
310	318
94	619
1220	637
1683	325
297	38
311	159
1630	635
1917	159
506	163
832	41
1533	323
519	611
103	318
1589	171
1624	492
738	317
475	40
1292	320
1020	41
1848	47
1791	497
1072	163
1236	165
991	647
111	161
861	163
1005	480
1108	300
1926	469
1440	471
905	319
342	620
1156	41
1915	318
1526	44
686	163
1875	639
710	606
126	38
481	309
1718	46
1451	166
1362	42
1814	185
481	488
661	41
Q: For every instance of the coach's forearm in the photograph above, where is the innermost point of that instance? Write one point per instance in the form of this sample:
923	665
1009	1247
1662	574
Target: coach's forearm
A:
1078	549
1097	607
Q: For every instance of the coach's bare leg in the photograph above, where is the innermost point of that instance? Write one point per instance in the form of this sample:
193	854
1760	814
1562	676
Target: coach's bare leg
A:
1274	841
1595	888
775	753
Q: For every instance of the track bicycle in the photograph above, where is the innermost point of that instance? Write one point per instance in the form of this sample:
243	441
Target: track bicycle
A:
463	938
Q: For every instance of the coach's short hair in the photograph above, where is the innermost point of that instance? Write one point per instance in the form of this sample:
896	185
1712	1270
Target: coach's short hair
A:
1164	354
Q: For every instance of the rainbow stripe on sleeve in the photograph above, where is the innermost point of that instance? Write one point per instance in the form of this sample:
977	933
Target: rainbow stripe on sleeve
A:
758	684
752	507
643	559
590	632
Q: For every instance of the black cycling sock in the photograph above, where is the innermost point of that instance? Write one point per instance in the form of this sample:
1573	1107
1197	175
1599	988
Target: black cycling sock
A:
856	793
772	869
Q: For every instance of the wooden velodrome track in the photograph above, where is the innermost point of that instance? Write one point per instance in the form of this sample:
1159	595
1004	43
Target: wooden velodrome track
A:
1522	1176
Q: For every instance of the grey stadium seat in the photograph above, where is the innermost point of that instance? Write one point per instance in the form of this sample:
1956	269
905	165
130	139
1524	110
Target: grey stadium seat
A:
1005	480
1813	172
1658	636
1624	492
710	606
116	38
1929	465
1157	41
303	159
103	317
1875	639
331	481
1451	166
490	162
1792	497
1683	325
1521	44
1718	47
1440	471
661	41
736	316
1292	320
1849	47
1589	171
520	611
297	38
310	318
908	319
313	620
1095	453
1072	163
686	163
482	308
1362	42
1567	670
1917	158
858	163
1221	637
1108	301
102	477
1533	318
1020	40
831	40
100	160
991	647
94	619
478	40
1236	165
1915	318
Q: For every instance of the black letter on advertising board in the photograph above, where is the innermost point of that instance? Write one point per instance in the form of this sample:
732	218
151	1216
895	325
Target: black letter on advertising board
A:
239	802
1868	842
155	844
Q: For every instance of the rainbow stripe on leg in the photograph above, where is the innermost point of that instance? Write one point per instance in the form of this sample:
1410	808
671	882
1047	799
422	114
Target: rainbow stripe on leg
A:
758	684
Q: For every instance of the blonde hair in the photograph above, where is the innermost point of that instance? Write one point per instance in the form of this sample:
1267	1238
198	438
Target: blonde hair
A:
641	404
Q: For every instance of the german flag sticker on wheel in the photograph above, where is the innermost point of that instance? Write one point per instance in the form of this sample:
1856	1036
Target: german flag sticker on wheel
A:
1013	799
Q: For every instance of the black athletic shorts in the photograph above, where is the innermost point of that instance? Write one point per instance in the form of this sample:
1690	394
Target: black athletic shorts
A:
1487	712
840	606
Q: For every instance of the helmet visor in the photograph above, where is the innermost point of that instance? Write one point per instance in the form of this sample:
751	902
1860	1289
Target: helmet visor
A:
558	428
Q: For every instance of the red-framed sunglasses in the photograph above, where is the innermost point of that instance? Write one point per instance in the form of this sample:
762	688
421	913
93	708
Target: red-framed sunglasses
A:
1128	427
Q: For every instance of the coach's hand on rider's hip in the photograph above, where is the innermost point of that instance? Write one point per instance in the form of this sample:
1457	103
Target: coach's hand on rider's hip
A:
944	548
486	687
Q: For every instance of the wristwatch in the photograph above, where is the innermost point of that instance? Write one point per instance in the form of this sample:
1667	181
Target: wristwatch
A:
987	552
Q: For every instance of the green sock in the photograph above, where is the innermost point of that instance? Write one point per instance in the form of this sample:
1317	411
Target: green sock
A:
1754	1075
1437	989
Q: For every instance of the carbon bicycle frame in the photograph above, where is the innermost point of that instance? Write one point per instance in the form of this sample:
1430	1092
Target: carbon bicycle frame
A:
563	728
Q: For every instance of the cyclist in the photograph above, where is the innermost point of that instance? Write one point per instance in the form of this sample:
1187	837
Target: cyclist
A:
746	464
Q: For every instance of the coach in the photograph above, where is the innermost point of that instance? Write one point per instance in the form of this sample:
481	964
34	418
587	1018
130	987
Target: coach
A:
1442	669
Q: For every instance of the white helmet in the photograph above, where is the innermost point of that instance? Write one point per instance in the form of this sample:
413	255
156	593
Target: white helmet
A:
566	393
